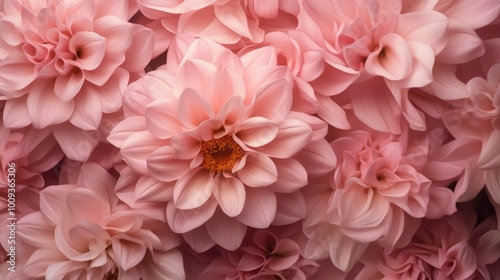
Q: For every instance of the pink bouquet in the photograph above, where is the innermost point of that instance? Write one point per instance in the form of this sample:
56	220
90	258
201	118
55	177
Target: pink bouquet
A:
250	139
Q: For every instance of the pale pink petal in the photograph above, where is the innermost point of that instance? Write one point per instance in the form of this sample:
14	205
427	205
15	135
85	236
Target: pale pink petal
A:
161	118
193	108
126	128
232	112
182	221
277	94
293	136
193	189
428	27
199	239
135	151
256	131
259	171
378	109
163	265
68	86
164	165
87	113
194	74
234	17
291	208
393	59
37	228
490	152
16	72
230	193
186	147
461	10
81	198
492	180
226	231
260	208
222	85
463	44
140	52
77	144
149	189
111	93
83	8
332	113
15	113
265	9
318	158
89	49
204	23
40	260
488	248
291	175
128	251
46	108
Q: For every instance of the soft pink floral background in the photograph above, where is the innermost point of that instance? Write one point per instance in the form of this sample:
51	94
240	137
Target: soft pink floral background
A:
251	139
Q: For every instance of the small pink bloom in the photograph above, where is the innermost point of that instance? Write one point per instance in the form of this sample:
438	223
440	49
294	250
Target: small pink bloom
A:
87	233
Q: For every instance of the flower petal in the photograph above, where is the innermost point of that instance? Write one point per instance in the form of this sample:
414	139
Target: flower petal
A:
225	231
260	208
230	193
259	171
256	131
193	189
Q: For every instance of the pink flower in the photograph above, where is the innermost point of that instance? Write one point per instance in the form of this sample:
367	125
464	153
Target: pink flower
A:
226	22
219	130
265	256
381	173
67	64
83	231
448	248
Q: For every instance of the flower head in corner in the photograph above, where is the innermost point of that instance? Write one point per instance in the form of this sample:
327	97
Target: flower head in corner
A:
67	61
82	231
219	130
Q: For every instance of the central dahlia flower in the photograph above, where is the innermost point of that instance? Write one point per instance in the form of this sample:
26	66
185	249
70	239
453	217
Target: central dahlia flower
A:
218	130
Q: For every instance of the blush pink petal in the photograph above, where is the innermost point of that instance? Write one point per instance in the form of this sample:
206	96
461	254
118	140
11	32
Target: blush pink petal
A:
291	175
39	260
429	27
89	49
16	114
149	189
291	207
194	189
260	208
256	131
161	118
141	47
318	158
222	85
462	46
77	144
129	251
293	136
199	239
15	73
82	197
461	10
135	152
87	112
164	165
68	86
194	74
230	193
186	147
226	231
276	92
259	171
182	221
126	128
193	108
41	103
377	109
332	113
490	152
205	24
393	59
492	180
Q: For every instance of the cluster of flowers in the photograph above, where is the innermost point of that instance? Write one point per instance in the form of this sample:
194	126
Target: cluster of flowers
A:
251	139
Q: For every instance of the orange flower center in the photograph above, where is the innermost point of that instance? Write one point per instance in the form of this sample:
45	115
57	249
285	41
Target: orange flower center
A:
221	154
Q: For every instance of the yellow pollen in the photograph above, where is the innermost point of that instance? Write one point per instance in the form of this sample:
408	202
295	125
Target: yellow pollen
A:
221	154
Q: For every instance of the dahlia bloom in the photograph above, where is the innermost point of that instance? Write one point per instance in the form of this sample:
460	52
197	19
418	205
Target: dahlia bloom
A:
447	248
264	256
83	232
218	130
67	63
382	173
